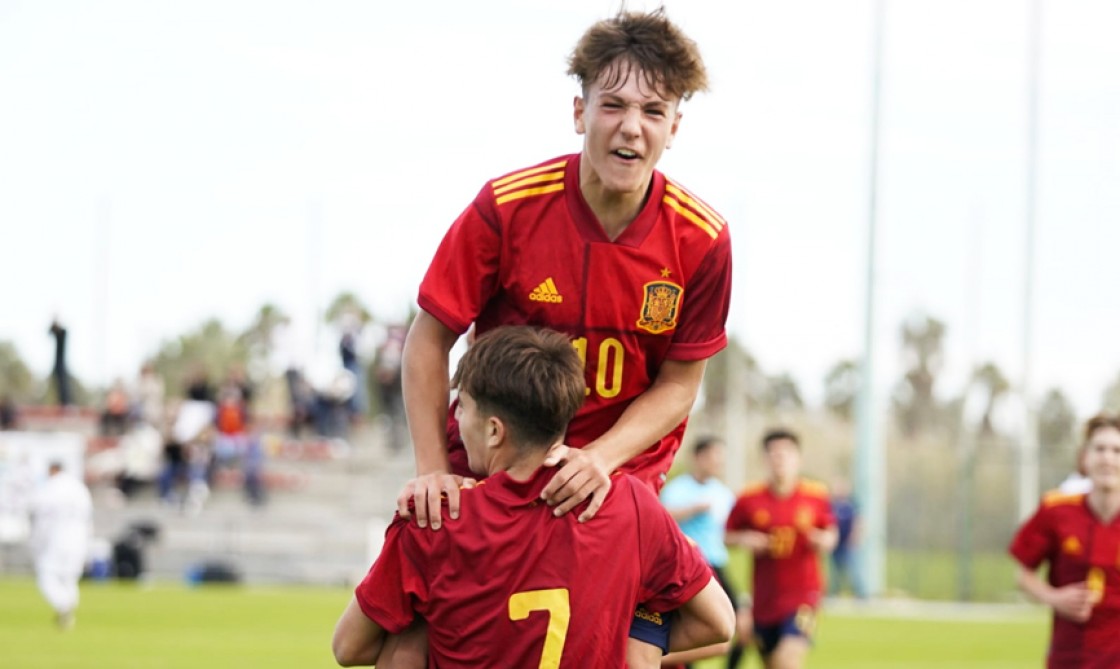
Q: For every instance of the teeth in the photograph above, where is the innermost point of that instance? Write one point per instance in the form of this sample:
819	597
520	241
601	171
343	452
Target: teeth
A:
626	153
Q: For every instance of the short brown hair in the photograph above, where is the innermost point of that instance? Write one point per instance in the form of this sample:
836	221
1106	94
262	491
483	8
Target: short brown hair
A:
648	42
779	434
531	378
1101	420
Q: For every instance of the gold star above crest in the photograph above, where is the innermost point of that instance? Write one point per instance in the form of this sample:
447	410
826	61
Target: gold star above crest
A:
665	272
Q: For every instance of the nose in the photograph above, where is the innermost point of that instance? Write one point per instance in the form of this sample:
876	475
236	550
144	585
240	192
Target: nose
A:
631	125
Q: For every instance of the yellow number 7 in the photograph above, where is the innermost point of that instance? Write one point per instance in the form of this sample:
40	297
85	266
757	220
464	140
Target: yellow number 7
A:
555	601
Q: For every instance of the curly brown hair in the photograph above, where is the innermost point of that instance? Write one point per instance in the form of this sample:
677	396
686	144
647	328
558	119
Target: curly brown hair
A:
647	42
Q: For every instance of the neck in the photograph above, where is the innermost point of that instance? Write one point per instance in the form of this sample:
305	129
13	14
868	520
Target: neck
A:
700	476
520	467
615	211
1104	503
783	488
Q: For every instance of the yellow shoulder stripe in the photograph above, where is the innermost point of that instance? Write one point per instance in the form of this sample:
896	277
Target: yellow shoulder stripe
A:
529	192
1059	498
753	488
687	213
533	170
691	200
814	488
534	179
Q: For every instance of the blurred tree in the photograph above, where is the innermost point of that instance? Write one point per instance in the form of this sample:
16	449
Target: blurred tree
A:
914	402
733	359
783	393
16	381
347	303
211	349
258	339
1056	433
841	388
995	386
1111	399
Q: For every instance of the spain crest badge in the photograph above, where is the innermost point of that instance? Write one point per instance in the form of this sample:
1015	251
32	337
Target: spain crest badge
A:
660	307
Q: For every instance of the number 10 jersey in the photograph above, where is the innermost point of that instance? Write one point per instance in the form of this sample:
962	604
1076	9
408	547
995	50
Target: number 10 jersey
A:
529	251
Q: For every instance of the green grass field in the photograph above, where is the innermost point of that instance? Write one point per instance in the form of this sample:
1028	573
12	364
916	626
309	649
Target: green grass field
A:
170	626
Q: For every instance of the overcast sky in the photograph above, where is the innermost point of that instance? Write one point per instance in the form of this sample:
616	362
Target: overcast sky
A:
162	163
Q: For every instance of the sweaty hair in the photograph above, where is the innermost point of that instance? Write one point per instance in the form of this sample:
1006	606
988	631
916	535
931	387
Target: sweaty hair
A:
704	443
1099	421
531	378
778	435
649	43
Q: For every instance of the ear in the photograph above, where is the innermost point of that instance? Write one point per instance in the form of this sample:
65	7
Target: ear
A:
673	130
495	433
578	108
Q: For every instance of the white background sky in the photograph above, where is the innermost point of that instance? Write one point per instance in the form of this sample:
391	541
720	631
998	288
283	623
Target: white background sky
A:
162	163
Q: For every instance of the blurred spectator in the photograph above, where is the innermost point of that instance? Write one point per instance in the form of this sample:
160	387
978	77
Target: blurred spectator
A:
150	394
387	374
700	502
348	351
61	524
844	569
234	442
59	373
114	415
198	385
302	399
9	415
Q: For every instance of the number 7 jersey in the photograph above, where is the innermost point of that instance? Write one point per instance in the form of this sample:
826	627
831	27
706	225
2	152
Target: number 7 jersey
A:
529	251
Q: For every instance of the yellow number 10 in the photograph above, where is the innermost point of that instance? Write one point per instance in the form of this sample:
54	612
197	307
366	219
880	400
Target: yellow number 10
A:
555	601
610	357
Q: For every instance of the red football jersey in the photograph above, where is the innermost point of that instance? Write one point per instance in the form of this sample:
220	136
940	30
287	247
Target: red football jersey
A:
1077	546
509	585
529	251
789	576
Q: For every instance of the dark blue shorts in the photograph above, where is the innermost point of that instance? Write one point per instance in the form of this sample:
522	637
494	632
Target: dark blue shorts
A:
652	628
767	637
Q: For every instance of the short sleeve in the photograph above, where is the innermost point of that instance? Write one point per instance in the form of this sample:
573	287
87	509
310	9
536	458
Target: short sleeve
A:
701	332
673	570
388	593
739	518
1032	544
463	275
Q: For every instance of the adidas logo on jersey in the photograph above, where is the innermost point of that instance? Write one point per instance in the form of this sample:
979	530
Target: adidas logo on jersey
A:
546	292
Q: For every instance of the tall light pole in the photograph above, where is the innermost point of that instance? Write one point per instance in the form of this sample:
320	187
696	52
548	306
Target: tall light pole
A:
870	455
1028	455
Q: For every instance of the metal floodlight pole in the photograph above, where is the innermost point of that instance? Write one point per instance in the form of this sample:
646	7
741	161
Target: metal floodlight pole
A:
870	454
1028	457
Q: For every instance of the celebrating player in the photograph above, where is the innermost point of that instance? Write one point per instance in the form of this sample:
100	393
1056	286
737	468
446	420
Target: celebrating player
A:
787	525
508	584
1078	536
633	267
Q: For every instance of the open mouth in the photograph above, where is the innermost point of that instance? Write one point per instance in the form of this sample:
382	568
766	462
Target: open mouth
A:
626	154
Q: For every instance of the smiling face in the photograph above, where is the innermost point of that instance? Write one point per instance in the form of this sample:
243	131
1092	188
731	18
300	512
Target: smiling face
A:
1102	459
626	128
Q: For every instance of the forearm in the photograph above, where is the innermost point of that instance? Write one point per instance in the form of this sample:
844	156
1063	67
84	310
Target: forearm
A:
704	620
825	540
357	640
426	387
1038	589
652	415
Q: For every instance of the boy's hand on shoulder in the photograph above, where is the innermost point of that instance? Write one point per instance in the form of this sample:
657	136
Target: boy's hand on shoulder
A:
583	476
421	496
